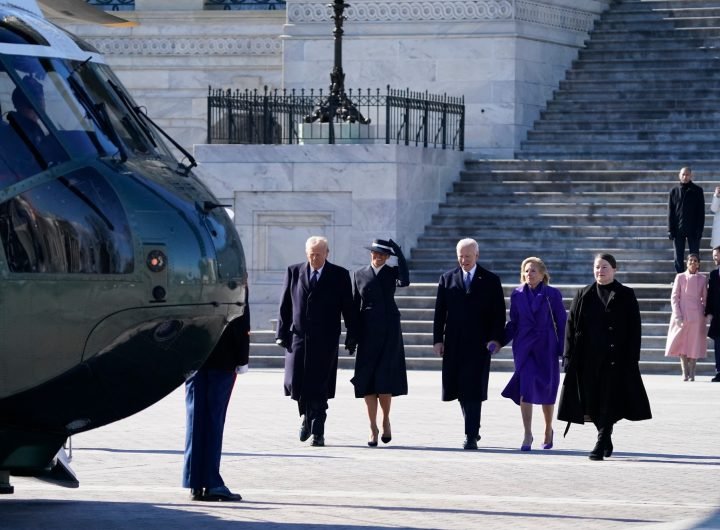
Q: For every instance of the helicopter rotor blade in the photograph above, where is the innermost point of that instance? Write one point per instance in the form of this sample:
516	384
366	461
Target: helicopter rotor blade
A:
80	11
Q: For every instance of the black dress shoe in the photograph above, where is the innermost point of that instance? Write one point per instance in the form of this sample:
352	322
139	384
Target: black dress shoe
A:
470	442
196	494
318	440
304	431
716	379
221	494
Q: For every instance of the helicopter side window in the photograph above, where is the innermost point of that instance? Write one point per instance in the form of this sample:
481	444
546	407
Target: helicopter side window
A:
19	158
75	224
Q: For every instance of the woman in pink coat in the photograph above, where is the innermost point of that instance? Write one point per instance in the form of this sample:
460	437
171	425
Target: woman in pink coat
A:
687	334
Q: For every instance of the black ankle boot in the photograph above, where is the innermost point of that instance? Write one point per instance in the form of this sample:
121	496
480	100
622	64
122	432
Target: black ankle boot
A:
608	449
598	450
601	446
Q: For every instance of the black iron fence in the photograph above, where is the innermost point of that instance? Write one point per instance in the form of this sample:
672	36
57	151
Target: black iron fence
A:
114	5
226	5
279	117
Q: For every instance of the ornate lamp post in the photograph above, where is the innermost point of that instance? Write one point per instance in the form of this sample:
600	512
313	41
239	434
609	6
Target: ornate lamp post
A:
337	104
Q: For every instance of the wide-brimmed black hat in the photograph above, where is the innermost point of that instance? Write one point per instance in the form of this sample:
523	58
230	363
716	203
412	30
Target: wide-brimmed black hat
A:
380	245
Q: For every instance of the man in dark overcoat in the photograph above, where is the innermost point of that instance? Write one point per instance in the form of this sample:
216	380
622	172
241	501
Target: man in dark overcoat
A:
712	308
315	295
468	326
602	351
686	217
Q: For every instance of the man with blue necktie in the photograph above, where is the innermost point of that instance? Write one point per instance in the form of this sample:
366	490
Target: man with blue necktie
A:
316	294
468	327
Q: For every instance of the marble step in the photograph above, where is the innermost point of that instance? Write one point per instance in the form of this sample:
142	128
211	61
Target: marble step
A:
638	165
616	101
630	84
695	61
698	148
681	156
700	74
580	125
672	97
616	41
660	53
619	134
632	112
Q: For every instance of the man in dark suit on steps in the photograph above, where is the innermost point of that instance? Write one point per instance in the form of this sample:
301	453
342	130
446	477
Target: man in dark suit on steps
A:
315	294
712	308
686	217
469	325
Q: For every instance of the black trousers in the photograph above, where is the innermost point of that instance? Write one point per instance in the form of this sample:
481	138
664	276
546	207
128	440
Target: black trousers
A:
693	248
314	414
471	410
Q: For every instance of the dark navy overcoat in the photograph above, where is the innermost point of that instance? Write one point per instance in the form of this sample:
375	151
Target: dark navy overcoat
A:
310	324
465	323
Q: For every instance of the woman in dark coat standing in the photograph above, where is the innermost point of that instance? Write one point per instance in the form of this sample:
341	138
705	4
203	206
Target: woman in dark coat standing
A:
602	352
380	365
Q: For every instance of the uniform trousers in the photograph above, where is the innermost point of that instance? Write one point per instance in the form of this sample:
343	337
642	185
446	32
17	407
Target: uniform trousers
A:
207	395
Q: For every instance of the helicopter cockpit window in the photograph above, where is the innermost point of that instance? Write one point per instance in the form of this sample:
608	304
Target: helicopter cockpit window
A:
75	224
77	112
26	148
15	31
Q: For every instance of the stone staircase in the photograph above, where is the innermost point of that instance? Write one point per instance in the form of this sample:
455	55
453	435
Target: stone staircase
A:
645	87
642	100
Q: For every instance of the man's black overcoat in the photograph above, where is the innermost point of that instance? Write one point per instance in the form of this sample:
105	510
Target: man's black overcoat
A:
309	323
686	211
602	352
465	323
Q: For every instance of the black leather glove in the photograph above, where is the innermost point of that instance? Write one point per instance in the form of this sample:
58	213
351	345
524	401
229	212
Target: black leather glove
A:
395	246
281	343
350	345
671	237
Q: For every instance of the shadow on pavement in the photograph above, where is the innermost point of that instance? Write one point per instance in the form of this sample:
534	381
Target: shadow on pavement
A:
82	515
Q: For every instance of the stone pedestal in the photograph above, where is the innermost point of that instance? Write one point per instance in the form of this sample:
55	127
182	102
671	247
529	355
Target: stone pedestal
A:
345	133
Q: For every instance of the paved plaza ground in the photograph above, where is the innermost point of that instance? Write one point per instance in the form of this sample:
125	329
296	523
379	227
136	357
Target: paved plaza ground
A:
665	472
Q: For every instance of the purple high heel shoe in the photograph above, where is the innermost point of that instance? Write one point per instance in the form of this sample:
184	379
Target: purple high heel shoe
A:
527	447
549	445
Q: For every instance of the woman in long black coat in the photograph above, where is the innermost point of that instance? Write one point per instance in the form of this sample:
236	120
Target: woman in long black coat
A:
380	365
602	351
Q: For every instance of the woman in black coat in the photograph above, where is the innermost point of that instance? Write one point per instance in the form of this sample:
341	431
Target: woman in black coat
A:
602	351
380	365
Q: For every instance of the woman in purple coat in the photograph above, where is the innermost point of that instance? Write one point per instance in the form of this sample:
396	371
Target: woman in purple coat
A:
537	330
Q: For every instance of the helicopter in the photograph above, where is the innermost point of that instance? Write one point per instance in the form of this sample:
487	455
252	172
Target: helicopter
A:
119	270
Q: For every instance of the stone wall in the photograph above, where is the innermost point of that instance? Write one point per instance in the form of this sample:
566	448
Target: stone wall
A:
352	194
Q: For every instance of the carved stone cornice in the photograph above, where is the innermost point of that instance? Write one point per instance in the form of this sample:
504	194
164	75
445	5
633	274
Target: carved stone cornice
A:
187	46
437	10
309	11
